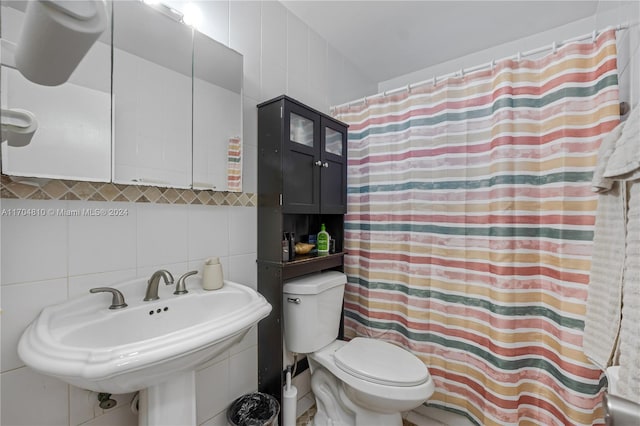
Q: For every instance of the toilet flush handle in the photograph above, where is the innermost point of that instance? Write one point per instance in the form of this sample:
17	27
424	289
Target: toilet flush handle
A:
295	300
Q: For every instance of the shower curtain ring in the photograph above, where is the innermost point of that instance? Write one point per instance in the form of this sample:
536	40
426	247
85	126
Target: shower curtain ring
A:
493	64
594	34
408	88
519	57
462	72
554	47
434	80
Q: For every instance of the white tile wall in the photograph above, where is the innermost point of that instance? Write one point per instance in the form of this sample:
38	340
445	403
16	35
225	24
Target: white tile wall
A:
29	398
49	258
208	232
37	243
244	36
212	390
162	234
20	305
91	247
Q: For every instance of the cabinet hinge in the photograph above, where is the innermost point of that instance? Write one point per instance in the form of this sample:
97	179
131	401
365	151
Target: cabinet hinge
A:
281	199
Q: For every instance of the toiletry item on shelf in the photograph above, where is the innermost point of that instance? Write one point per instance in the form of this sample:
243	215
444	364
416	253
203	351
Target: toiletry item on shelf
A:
285	247
292	245
212	274
303	248
323	240
332	246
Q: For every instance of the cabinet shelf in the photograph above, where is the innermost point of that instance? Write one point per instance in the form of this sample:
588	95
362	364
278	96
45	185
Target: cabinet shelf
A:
309	263
306	264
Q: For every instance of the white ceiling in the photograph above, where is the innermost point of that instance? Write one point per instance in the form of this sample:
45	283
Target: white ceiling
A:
387	39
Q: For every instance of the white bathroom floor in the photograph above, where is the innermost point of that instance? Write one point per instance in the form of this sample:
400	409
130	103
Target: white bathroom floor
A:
431	416
306	418
423	416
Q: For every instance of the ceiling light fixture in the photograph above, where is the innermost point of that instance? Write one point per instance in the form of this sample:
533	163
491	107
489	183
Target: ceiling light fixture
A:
192	15
164	9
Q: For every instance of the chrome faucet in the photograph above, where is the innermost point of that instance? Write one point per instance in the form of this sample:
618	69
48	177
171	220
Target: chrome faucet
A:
152	287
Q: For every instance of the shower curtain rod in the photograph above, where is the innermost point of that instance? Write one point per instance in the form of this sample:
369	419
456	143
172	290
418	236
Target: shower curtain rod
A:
463	71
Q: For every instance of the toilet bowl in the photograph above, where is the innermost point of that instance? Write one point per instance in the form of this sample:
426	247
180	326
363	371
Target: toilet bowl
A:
378	379
363	382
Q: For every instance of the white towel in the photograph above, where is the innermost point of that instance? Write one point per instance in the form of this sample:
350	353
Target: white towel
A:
624	161
604	297
599	183
629	347
613	303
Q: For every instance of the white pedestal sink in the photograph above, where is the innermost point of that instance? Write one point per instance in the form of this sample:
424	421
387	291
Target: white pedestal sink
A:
153	346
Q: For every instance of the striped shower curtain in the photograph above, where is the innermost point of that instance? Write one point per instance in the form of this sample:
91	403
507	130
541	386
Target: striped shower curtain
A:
469	231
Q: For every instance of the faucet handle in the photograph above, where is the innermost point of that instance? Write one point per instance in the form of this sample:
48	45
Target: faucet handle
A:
181	285
117	302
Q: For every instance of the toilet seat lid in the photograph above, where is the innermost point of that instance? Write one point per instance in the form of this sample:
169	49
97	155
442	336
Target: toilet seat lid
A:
381	362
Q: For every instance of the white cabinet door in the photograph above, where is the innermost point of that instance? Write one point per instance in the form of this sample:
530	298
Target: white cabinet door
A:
152	97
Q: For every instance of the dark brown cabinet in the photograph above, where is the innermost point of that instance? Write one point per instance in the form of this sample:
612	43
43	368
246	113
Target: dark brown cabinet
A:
312	150
302	183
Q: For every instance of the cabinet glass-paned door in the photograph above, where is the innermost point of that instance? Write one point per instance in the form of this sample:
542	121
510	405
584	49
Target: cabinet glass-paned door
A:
301	130
300	171
333	180
333	142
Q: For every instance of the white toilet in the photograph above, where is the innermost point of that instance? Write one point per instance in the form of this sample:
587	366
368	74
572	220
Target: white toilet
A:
364	382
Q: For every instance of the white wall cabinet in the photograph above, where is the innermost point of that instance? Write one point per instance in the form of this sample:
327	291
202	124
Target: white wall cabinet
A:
152	97
156	104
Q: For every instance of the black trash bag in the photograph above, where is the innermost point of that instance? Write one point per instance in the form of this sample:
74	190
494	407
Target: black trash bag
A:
254	409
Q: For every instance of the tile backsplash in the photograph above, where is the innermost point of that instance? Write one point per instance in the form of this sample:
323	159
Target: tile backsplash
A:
56	189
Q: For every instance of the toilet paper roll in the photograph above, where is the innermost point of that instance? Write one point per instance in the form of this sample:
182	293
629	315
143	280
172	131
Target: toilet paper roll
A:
289	406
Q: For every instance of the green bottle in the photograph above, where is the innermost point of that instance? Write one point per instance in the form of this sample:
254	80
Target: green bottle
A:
323	240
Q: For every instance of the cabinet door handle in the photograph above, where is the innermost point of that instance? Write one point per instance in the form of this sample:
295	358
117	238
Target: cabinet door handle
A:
325	165
296	300
318	163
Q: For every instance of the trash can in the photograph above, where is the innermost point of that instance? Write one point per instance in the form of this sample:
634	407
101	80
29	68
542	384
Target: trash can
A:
254	409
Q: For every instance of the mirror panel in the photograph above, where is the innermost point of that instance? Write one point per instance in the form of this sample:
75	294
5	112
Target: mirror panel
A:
152	97
217	116
174	117
73	138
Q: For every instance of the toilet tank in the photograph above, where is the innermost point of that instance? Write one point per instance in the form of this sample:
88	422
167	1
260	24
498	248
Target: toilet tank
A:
312	307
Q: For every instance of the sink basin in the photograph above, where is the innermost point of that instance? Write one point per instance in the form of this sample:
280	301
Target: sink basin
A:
84	343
